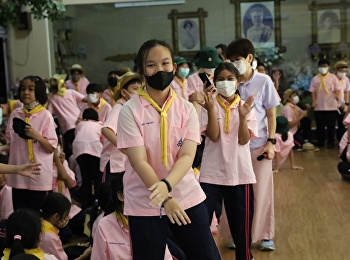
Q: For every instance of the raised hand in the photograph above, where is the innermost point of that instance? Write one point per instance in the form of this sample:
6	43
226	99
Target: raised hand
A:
244	109
29	170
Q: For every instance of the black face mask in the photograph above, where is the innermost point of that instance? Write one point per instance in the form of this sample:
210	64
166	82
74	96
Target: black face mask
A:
112	81
160	81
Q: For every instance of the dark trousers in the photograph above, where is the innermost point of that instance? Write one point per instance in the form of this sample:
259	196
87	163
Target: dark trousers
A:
239	206
149	236
325	119
28	199
68	139
304	132
110	175
340	126
90	174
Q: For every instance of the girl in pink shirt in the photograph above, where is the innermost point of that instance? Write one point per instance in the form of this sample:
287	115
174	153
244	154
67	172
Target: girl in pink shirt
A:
112	160
87	147
159	132
179	84
284	145
23	235
54	211
38	148
226	171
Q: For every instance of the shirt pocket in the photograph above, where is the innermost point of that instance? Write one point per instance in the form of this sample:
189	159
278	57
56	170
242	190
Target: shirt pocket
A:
176	137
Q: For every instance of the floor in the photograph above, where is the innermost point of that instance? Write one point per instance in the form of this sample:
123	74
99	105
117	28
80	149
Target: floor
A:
312	212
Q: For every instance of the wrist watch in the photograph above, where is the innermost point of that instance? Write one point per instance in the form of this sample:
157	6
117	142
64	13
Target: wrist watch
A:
272	140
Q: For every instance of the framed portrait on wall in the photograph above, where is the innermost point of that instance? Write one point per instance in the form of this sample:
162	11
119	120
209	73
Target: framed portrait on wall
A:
329	24
260	22
188	32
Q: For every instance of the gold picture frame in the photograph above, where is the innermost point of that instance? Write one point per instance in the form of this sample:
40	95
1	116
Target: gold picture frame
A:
188	32
271	37
335	15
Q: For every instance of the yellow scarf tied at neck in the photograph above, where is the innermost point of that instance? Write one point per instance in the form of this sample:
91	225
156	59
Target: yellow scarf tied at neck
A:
35	251
163	121
121	218
102	103
35	110
62	92
47	227
182	85
76	85
228	110
323	84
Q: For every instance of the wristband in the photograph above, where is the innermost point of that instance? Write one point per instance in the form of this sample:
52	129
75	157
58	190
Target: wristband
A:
167	184
346	103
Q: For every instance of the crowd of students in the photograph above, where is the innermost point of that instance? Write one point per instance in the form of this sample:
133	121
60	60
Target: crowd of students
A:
158	156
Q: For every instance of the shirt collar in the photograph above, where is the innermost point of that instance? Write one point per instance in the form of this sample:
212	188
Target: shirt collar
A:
250	80
145	103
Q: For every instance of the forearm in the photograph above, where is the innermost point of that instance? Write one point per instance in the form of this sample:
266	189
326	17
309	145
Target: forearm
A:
276	83
213	129
291	158
197	107
110	135
62	174
243	131
8	169
271	122
346	96
45	144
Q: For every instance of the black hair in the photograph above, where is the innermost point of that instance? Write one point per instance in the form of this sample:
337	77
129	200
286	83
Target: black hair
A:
261	64
324	61
187	23
116	187
55	203
329	14
240	47
257	9
120	72
39	90
90	114
93	87
284	136
132	81
115	71
26	224
144	49
226	66
25	257
223	48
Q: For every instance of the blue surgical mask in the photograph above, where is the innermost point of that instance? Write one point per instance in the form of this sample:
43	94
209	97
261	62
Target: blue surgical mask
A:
183	73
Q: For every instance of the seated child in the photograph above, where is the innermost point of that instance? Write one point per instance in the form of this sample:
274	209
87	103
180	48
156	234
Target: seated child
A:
344	154
87	147
284	145
54	211
23	234
95	101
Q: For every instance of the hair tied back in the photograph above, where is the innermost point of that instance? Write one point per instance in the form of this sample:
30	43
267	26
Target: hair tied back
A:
17	237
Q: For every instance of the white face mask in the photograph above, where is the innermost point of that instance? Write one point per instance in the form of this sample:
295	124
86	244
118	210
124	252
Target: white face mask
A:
209	71
323	70
226	88
254	64
92	98
240	65
341	74
295	100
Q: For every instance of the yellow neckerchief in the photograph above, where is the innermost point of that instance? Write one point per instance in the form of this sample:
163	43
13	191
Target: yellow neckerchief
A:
202	71
195	171
60	183
340	80
111	92
11	104
121	218
228	110
102	103
163	121
323	84
76	84
62	92
47	227
35	110
35	251
182	85
293	107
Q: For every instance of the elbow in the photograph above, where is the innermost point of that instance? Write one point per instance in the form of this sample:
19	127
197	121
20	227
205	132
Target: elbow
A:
214	137
243	141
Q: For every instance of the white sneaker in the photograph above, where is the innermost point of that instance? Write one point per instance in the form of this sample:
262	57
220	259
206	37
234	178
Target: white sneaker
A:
267	245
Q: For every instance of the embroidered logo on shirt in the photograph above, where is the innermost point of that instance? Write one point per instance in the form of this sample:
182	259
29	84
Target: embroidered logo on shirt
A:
117	243
147	123
179	143
255	94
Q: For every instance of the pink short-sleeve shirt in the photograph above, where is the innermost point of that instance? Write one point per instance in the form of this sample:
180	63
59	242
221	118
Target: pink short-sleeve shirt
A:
6	206
178	89
88	138
44	124
344	86
82	84
289	112
139	125
110	152
51	244
226	162
108	95
102	111
283	148
195	84
325	102
66	108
